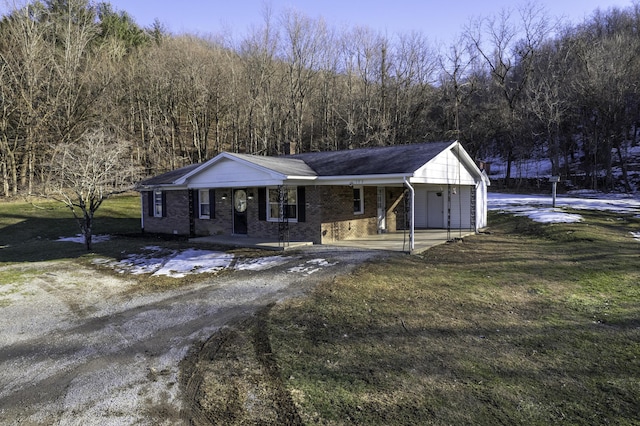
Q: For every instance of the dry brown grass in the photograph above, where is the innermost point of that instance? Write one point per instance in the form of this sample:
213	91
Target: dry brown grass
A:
532	324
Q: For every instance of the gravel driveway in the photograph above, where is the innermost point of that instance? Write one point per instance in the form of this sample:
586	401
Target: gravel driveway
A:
81	347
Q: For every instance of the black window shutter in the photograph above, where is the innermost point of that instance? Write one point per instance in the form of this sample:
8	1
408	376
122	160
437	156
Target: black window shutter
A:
195	203
212	203
150	206
262	203
302	204
164	203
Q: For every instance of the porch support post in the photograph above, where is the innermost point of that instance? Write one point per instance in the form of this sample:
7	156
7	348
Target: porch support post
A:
412	213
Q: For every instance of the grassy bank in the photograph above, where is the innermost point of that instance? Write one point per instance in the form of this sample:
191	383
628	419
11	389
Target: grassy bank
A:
29	229
532	324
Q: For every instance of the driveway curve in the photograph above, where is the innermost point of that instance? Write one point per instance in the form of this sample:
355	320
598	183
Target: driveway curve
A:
81	347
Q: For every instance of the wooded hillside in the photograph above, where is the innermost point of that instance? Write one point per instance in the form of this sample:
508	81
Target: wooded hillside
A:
515	85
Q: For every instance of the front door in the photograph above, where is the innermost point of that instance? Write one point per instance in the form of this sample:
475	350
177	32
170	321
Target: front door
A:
240	211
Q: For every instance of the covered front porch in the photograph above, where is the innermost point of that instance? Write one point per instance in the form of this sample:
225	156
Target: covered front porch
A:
392	241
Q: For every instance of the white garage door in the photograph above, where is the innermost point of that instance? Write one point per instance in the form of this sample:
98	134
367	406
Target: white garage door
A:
429	212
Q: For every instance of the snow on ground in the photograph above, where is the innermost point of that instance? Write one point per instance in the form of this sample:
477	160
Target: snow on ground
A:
539	207
194	261
261	263
79	238
156	260
311	266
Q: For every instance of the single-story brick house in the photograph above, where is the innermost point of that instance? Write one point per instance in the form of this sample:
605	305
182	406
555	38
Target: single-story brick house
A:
320	197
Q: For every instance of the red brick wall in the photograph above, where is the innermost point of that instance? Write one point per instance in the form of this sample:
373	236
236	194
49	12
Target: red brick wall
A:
329	215
177	215
222	222
309	230
338	220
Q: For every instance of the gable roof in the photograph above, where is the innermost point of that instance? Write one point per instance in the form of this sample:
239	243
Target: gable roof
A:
287	166
169	178
395	159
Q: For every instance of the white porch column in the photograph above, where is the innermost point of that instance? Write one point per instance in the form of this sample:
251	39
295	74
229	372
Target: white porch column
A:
412	214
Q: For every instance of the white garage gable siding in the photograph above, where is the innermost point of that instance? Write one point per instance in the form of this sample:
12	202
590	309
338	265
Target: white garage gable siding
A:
445	168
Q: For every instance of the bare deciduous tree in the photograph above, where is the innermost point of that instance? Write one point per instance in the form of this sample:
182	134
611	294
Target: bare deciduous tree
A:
86	172
508	45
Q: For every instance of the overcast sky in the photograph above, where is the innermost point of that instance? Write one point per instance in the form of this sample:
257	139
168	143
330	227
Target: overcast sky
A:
439	20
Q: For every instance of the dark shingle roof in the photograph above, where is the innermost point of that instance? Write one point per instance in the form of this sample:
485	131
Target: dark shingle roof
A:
286	165
169	177
397	159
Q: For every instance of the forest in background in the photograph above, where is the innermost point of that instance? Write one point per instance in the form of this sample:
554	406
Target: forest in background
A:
515	86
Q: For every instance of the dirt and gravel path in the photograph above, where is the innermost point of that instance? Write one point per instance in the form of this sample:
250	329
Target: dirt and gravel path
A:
81	347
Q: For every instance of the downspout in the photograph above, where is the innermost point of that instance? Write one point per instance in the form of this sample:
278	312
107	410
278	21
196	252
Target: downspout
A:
476	229
411	215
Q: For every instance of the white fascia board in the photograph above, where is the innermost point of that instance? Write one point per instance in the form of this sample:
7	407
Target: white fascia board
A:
466	159
437	181
365	180
165	187
290	180
485	178
300	181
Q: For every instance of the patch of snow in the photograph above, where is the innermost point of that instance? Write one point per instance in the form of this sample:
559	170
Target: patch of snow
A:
137	265
635	235
261	263
538	207
533	168
195	261
553	216
171	263
79	238
311	266
177	264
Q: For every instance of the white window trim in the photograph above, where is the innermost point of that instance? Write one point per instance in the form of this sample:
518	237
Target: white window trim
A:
277	219
361	211
157	203
200	203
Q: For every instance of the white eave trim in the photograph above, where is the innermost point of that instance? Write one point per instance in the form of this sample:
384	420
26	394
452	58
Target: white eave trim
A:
458	150
275	175
162	187
238	184
378	179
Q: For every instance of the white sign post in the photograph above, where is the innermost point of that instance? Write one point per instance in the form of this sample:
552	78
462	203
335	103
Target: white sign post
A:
554	184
